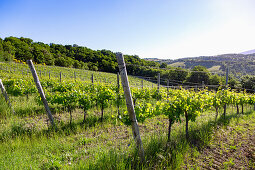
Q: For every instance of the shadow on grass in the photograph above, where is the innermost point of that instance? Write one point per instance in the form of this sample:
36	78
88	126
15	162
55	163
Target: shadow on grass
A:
17	130
66	128
161	154
61	128
28	110
200	136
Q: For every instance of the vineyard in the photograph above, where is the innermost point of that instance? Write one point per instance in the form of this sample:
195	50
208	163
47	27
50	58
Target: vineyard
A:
92	126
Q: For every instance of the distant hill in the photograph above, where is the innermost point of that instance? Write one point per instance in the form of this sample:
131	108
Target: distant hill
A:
248	52
239	64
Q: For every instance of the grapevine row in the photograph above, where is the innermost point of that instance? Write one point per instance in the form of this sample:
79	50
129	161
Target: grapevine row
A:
174	104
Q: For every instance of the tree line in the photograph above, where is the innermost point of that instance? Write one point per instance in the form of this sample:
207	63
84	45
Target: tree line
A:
76	56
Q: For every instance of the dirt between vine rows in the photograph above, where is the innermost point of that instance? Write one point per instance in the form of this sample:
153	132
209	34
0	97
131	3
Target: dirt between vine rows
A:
231	148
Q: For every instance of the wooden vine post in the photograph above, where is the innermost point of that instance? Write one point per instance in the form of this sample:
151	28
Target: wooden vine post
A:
158	81
5	95
254	103
226	87
92	79
130	106
60	76
118	93
203	85
39	87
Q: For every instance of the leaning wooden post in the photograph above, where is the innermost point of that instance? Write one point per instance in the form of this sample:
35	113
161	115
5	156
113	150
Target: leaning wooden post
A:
167	85
158	81
39	87
254	103
142	83
203	85
5	95
60	76
118	81
92	78
130	106
118	93
226	87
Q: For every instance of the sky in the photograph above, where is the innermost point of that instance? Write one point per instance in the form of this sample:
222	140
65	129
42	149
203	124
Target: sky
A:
166	29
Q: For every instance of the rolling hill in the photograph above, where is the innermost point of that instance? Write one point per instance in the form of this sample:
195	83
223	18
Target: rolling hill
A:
239	64
248	52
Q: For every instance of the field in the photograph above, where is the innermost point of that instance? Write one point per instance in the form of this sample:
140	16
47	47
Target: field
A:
28	141
177	64
214	68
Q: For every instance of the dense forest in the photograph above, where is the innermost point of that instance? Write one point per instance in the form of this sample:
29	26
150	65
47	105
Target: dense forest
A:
22	49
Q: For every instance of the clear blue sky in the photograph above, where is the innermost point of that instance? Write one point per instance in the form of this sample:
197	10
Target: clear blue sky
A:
148	28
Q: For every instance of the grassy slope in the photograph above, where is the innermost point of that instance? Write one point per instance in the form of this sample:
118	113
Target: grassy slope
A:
109	145
26	142
8	70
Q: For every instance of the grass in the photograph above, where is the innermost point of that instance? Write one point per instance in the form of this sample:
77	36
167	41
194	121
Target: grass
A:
27	142
214	68
18	70
177	64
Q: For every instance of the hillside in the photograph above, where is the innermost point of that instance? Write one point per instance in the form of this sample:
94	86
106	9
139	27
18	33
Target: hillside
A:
92	128
239	64
72	56
248	52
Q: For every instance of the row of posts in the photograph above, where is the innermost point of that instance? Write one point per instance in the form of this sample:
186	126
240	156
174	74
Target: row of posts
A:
40	73
127	93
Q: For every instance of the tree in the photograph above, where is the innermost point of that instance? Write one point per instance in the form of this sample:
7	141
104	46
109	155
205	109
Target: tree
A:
234	83
215	80
163	65
248	82
199	74
22	50
178	74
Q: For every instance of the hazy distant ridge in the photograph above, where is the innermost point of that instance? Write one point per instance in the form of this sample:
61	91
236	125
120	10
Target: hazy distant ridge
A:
248	52
239	64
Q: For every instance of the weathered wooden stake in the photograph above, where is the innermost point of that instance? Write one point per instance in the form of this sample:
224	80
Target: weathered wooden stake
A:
60	76
130	106
142	83
5	95
118	80
254	103
118	91
167	85
92	78
225	106
203	85
158	81
39	87
49	74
